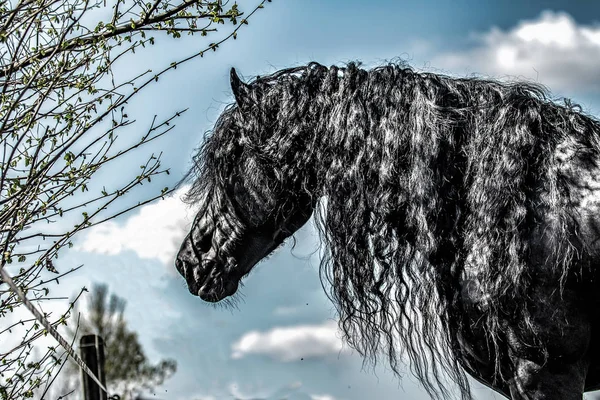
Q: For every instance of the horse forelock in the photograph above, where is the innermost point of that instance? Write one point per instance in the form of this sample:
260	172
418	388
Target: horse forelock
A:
425	176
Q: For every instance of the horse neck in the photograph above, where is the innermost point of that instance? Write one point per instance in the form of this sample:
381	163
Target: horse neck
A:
369	148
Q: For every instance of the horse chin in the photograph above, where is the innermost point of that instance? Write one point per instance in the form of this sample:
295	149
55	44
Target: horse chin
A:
215	293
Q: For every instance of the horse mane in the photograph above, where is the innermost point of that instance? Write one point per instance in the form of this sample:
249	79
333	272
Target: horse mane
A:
425	176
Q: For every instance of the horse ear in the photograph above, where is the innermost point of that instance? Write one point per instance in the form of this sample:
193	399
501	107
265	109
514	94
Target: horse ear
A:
239	88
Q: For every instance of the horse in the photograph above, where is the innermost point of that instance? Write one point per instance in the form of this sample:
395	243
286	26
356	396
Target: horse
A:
460	228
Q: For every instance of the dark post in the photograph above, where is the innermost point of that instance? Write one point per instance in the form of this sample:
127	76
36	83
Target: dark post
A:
92	353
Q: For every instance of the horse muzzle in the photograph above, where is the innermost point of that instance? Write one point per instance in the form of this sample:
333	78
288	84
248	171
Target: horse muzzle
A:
204	275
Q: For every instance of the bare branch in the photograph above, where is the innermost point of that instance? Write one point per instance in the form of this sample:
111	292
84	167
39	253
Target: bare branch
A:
62	109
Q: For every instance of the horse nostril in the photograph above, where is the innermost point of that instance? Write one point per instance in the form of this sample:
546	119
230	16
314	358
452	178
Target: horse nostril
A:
204	243
198	246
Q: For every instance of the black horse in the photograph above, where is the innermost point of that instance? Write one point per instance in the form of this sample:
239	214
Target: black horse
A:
461	224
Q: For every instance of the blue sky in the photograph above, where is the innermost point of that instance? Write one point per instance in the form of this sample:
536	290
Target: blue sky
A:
282	341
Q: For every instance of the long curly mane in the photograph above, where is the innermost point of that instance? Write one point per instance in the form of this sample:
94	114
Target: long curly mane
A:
427	177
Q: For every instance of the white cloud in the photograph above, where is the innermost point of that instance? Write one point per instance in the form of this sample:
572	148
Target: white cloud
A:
254	390
322	397
552	49
291	343
249	392
54	310
155	232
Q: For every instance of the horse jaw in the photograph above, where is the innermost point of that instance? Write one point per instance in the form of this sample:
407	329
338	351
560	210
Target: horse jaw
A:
214	274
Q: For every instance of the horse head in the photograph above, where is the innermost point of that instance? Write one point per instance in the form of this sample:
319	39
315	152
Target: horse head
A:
248	206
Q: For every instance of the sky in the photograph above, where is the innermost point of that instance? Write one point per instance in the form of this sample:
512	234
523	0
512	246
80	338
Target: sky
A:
282	340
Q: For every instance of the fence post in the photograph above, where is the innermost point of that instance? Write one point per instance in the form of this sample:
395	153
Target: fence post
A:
92	353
